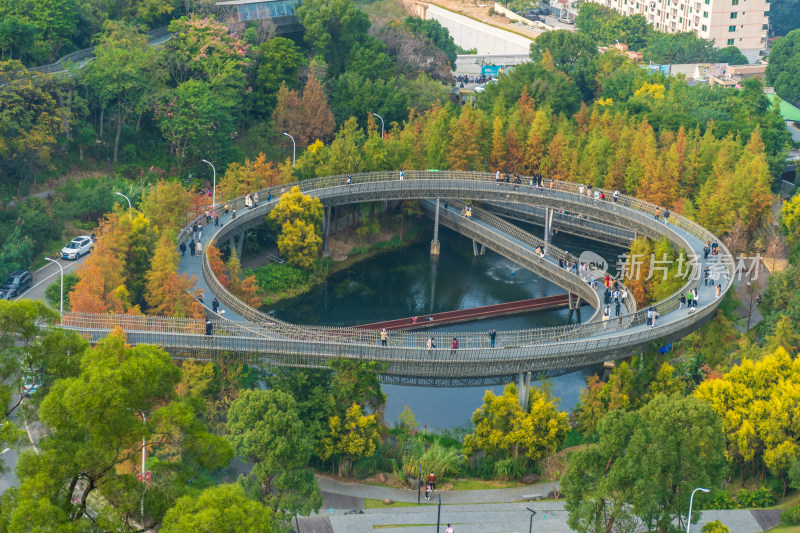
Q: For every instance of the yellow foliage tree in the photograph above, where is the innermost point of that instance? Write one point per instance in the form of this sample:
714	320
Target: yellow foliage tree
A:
355	436
249	177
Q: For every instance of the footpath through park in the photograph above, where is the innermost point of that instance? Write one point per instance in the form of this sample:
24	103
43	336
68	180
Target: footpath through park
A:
473	511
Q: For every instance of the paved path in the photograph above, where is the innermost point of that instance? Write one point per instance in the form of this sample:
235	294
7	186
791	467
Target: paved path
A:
482	511
47	275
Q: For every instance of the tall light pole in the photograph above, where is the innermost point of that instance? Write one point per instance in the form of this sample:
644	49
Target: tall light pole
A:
689	519
129	204
214	189
144	447
294	148
380	117
61	304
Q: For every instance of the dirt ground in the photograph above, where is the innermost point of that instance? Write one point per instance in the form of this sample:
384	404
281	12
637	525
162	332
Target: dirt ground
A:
479	10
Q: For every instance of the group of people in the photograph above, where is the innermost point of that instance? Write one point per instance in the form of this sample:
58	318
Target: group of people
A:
711	248
535	180
467	212
469	78
596	194
211	214
251	201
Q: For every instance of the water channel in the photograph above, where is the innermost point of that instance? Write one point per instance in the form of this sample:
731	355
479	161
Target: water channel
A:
410	282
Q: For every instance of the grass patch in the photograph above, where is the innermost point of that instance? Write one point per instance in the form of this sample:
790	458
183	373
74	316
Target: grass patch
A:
369	503
785	529
392	526
480	484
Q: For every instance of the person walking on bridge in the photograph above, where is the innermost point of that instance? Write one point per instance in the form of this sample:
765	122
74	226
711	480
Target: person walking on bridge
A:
192	247
449	529
214	305
453	352
432	481
384	337
182	248
492	336
431	345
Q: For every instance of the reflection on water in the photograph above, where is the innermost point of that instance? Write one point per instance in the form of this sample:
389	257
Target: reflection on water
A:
410	282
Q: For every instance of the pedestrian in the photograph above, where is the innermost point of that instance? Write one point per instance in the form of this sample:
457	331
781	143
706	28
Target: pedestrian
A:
384	337
580	190
269	197
200	297
208	216
192	247
402	175
655	317
605	318
617	309
432	481
199	248
233	214
255	199
455	346
497	177
666	216
658	213
349	179
719	290
649	317
216	219
492	336
413	320
227	208
182	247
706	273
616	196
449	529
690	300
214	305
683	301
431	344
696	300
209	327
427	491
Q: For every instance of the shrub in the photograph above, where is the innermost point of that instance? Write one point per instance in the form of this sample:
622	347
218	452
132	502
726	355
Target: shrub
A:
275	278
791	516
444	462
53	292
715	527
511	468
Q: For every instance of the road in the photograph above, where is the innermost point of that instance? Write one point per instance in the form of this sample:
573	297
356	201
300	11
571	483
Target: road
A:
48	274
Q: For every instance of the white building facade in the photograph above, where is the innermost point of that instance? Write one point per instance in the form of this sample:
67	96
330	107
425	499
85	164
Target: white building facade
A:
739	23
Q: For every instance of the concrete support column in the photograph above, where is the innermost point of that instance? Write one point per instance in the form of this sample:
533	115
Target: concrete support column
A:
435	242
570	302
548	228
521	388
483	249
474	247
240	246
326	230
527	390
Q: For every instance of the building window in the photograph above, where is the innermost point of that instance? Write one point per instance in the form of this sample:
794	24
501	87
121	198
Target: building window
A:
765	26
731	28
707	2
734	2
730	42
705	14
704	27
734	15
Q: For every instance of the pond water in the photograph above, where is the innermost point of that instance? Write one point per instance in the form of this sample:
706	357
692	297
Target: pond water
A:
409	282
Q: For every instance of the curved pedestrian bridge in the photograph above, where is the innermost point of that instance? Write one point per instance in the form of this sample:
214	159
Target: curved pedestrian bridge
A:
246	334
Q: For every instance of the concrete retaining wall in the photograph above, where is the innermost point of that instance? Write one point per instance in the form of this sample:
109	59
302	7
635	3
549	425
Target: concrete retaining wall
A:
468	33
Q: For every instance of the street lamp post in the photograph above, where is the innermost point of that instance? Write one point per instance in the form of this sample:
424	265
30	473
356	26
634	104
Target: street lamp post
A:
214	189
61	304
380	117
691	498
144	447
530	524
294	148
129	204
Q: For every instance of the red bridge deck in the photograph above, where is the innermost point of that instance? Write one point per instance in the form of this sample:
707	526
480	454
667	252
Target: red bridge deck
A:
475	313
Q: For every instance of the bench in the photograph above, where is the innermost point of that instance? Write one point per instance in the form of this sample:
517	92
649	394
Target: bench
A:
533	497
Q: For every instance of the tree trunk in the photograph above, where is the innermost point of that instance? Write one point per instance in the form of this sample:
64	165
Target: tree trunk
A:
118	135
139	121
100	126
80	151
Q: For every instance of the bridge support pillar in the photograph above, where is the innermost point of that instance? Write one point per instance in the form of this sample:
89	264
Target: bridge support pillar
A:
326	230
240	246
548	228
474	247
435	242
524	389
483	249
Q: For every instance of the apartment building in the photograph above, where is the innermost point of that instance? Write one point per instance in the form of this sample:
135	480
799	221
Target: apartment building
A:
739	23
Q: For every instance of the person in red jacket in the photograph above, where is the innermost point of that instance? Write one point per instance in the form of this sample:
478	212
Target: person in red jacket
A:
432	481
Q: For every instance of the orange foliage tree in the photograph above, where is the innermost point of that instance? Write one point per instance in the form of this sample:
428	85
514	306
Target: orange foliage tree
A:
168	293
251	176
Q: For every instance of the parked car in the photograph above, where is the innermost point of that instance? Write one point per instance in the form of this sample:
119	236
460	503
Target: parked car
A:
77	247
30	385
15	284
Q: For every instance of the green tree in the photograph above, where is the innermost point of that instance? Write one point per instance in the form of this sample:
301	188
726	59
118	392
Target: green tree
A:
124	73
265	427
783	70
333	28
669	48
715	527
279	61
437	33
96	433
53	292
731	55
221	509
784	16
574	54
